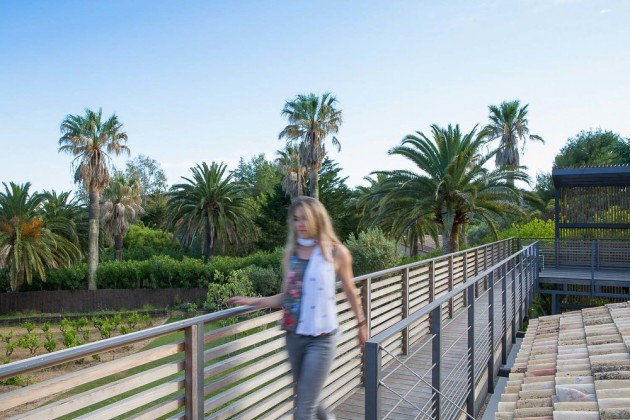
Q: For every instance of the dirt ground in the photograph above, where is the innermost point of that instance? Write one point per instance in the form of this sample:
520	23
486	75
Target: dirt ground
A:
38	376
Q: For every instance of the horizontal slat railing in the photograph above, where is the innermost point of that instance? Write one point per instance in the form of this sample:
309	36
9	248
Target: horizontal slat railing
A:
233	363
455	355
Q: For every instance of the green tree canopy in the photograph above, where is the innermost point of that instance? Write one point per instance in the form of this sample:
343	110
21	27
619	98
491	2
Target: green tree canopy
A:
594	148
453	184
210	205
149	174
259	175
27	243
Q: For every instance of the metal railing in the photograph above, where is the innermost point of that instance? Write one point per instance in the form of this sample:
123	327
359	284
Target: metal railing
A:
233	363
451	391
582	253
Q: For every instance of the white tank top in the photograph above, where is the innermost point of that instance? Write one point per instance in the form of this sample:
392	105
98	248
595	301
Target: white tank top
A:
318	312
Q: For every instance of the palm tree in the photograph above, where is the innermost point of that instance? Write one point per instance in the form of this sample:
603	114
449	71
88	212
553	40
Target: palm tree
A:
92	141
293	173
398	216
211	205
311	119
508	122
122	205
27	243
66	216
453	185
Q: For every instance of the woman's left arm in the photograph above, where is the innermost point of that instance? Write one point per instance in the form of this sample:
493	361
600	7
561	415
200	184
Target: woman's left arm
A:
343	265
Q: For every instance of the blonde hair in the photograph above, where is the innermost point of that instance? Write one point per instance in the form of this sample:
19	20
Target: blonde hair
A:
319	225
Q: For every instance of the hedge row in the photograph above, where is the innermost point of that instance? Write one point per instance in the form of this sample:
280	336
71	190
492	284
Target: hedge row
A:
156	272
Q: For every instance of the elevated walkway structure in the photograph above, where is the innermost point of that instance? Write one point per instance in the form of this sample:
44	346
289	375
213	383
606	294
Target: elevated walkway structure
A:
451	320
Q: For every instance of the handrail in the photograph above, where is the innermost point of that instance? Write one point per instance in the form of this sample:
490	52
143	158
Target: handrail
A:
73	353
434	311
398	327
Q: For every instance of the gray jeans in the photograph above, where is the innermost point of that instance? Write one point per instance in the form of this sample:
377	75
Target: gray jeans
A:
311	359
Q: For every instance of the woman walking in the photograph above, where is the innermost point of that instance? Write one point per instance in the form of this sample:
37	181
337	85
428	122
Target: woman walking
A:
313	260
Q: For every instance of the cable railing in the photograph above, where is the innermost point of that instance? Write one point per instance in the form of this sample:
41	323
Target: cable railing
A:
489	330
233	363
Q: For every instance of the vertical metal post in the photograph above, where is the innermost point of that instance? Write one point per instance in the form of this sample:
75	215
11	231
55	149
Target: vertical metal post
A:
514	290
405	310
193	370
366	299
431	281
521	285
372	380
465	276
556	197
435	327
491	331
450	286
470	400
504	313
593	262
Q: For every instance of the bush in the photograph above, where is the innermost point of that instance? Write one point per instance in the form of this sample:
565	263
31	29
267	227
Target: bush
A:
266	281
236	283
158	271
372	251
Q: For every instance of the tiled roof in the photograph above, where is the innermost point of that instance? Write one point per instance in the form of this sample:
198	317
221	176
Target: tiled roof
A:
572	366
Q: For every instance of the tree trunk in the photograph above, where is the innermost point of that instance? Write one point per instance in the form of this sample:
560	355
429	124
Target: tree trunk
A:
209	233
313	182
455	235
118	246
94	215
414	246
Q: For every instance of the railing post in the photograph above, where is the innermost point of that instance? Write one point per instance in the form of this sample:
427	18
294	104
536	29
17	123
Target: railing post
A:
522	288
504	313
366	299
491	331
405	309
593	262
465	276
194	380
435	328
470	400
450	286
431	281
372	381
514	289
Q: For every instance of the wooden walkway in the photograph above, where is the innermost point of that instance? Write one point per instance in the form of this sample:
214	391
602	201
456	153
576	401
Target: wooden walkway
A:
453	367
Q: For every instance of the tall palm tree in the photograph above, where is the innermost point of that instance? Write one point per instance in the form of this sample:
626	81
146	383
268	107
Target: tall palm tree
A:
212	206
27	243
509	123
122	205
92	140
453	185
293	172
311	119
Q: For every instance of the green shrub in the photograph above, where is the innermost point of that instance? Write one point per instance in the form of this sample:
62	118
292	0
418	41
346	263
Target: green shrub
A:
236	283
372	251
266	281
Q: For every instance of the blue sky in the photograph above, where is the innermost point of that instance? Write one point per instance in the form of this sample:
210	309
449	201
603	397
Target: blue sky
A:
197	81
